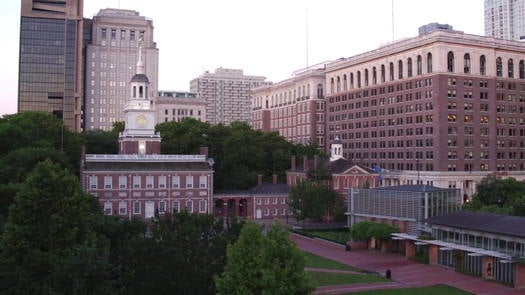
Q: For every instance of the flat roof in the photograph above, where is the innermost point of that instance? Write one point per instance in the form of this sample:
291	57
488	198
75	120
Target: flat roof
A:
507	225
144	158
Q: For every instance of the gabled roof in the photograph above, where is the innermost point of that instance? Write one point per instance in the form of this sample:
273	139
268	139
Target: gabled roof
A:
483	222
339	166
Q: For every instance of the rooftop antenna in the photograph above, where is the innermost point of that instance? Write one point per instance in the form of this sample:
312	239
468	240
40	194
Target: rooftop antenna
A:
307	37
392	20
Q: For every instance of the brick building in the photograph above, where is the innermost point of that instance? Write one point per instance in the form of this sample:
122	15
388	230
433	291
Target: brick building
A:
444	109
264	201
342	174
139	182
294	107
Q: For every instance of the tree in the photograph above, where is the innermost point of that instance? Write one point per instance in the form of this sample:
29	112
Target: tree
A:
312	200
263	264
501	196
48	245
365	230
183	252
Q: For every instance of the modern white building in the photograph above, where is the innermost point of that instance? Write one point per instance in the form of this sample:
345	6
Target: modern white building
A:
227	93
505	19
111	60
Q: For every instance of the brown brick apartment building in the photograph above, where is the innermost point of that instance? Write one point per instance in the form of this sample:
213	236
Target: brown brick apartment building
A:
444	109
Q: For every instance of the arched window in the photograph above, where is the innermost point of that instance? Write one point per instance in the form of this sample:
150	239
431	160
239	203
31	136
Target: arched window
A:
510	66
366	77
391	72
351	80
134	91
450	62
522	69
466	63
409	67
308	89
141	92
332	85
345	83
382	73
374	76
482	65
429	63
499	67
319	90
419	65
358	79
400	69
338	84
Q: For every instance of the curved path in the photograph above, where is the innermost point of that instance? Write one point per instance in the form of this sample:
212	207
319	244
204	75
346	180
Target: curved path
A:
405	273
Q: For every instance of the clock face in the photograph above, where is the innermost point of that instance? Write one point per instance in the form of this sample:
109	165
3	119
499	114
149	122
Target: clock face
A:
141	121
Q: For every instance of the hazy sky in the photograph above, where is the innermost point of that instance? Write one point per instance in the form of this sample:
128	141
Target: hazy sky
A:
262	37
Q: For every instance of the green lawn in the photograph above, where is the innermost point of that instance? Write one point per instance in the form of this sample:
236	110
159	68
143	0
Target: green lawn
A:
338	236
315	261
431	290
329	279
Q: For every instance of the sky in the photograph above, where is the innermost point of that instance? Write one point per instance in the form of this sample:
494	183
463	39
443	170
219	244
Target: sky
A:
270	38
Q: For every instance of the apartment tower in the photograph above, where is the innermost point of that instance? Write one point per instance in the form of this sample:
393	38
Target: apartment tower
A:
505	19
50	63
227	93
111	60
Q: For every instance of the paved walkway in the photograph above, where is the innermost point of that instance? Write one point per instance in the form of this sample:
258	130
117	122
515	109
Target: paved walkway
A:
405	273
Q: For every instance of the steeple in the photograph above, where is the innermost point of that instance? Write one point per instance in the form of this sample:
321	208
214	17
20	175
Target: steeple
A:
336	149
139	135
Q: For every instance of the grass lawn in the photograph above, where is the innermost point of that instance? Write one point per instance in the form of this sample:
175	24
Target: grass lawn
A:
315	261
431	290
338	236
329	279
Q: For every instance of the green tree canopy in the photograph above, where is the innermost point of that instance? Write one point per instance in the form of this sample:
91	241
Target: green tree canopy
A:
502	196
48	245
367	229
264	264
313	200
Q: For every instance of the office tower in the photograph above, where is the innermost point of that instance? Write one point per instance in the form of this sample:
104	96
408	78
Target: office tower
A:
111	60
505	19
444	109
227	93
50	64
177	105
294	107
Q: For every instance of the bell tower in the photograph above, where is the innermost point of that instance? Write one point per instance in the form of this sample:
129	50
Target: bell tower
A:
336	149
139	135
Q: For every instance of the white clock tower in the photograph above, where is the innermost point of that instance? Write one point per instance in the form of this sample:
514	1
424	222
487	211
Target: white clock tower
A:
139	135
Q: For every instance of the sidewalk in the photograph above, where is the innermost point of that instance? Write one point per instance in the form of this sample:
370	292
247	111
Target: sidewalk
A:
405	273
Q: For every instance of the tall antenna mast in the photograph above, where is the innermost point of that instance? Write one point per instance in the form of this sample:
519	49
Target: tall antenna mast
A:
392	20
307	37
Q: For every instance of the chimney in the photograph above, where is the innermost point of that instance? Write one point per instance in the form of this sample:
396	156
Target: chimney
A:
293	163
305	163
274	179
316	160
203	150
259	179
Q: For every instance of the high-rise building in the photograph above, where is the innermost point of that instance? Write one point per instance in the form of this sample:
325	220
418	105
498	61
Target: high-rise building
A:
443	109
294	107
50	64
227	93
110	61
505	19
